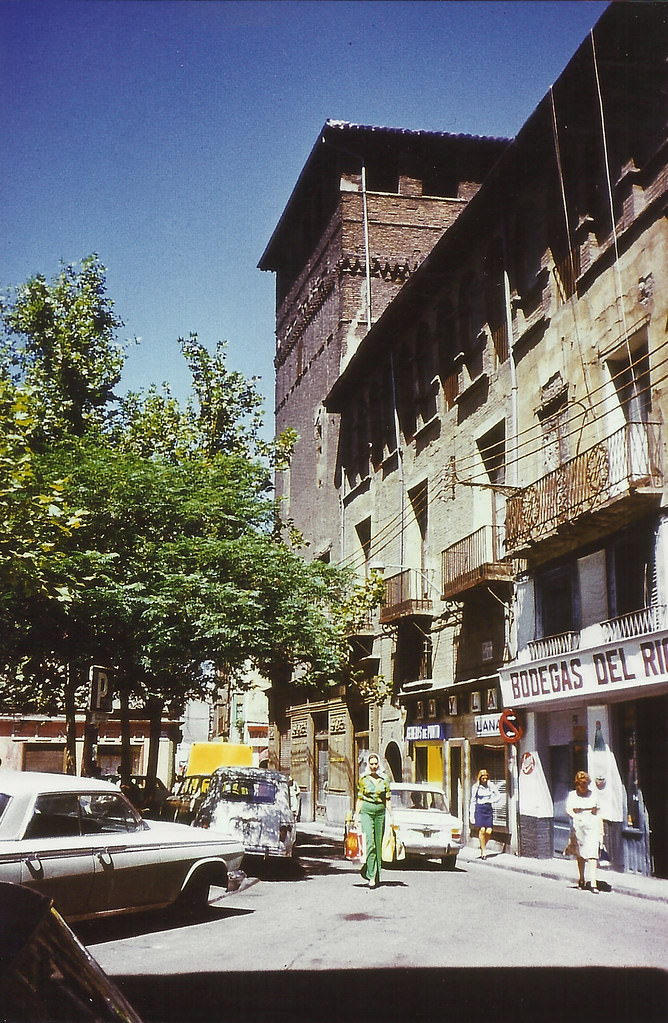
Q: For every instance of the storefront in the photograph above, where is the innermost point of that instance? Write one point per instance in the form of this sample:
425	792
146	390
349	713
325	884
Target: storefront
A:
453	735
603	709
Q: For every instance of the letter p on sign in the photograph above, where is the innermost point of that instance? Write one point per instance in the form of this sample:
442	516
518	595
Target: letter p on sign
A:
101	694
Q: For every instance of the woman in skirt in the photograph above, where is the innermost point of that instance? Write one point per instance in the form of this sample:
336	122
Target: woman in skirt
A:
484	795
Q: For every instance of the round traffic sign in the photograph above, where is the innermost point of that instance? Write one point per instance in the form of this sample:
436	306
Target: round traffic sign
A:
509	726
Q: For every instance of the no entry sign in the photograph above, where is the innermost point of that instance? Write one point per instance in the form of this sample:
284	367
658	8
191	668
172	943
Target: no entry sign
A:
509	726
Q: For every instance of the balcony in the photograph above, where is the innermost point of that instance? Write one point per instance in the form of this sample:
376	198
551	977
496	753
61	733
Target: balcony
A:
553	646
476	559
636	623
603	488
405	595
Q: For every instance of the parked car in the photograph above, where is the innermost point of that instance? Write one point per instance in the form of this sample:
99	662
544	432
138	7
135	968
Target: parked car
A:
80	842
185	799
253	804
424	823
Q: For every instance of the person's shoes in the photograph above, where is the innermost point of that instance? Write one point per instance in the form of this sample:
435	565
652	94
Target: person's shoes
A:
581	885
594	890
373	884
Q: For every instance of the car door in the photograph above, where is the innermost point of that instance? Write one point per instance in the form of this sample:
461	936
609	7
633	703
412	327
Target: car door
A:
126	856
56	859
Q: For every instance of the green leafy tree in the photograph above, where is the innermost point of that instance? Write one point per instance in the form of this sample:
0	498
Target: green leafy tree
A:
60	340
179	560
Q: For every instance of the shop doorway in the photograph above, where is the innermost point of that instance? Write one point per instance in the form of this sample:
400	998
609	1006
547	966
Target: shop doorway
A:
565	762
321	774
645	734
429	762
493	760
393	761
456	783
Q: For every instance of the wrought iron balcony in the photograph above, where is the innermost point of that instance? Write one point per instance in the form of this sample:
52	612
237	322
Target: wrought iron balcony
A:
624	467
553	646
476	559
636	623
406	593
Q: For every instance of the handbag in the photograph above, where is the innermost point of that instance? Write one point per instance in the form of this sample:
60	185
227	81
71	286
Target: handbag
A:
572	849
353	844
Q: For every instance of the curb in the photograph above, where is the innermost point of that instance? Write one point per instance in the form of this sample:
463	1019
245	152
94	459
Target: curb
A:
641	887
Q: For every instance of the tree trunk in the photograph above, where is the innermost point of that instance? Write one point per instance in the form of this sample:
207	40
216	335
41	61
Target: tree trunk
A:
126	750
154	708
70	759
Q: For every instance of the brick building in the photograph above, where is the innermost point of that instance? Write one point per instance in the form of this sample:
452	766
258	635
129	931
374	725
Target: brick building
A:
501	458
369	205
488	431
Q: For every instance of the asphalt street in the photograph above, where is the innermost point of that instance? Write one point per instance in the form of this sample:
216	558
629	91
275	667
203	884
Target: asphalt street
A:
475	940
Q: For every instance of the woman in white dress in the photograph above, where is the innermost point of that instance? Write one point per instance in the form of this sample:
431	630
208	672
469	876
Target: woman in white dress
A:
584	809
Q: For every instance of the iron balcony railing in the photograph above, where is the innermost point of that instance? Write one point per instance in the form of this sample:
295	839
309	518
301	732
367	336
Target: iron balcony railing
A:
553	646
406	593
636	623
642	622
621	463
478	558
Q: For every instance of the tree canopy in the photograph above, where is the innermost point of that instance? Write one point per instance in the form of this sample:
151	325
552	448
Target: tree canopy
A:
140	532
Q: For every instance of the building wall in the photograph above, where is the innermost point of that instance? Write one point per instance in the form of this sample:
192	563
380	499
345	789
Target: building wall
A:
514	363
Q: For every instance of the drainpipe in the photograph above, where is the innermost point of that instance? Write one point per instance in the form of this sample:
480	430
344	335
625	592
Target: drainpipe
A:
513	766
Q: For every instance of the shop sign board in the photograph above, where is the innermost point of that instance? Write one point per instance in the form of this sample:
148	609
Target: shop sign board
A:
627	665
486	724
420	733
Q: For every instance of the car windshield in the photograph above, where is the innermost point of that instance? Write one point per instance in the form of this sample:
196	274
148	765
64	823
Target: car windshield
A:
247	790
418	799
4	802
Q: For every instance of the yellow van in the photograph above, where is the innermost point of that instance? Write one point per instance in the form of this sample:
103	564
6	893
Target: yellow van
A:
188	792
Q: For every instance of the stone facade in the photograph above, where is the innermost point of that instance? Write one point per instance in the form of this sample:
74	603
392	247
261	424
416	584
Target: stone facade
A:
501	459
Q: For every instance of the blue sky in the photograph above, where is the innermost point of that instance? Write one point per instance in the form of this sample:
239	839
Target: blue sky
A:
167	136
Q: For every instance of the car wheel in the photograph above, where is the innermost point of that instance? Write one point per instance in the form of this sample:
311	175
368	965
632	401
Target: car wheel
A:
194	898
450	861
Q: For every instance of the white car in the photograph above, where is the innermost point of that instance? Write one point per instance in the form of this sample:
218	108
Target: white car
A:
253	804
80	842
423	822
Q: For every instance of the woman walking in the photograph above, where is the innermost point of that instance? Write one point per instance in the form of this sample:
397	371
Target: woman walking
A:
484	795
373	802
584	809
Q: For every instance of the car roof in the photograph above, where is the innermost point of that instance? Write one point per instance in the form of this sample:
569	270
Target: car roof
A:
19	782
256	773
419	786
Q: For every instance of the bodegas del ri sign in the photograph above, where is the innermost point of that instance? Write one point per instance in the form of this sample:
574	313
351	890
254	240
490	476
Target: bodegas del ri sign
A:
599	673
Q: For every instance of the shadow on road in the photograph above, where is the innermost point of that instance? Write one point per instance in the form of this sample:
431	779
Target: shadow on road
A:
116	928
397	995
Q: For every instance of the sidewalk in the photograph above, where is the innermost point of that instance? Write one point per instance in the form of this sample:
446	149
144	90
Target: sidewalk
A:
559	868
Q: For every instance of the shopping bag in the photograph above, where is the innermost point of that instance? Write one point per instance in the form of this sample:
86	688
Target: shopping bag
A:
389	847
353	844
